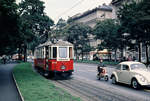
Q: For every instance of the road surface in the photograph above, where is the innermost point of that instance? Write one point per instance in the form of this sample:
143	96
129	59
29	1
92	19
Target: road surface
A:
84	84
8	90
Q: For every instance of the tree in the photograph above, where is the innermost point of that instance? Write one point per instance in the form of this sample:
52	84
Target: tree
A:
8	26
58	31
61	23
78	35
134	17
107	32
32	13
35	24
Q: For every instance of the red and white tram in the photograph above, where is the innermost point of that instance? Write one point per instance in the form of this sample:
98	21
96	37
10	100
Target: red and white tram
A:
54	58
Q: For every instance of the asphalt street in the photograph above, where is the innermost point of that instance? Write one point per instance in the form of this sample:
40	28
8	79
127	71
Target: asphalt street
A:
87	73
8	90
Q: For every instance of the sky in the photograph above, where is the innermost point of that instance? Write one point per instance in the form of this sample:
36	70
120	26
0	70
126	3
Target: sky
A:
57	9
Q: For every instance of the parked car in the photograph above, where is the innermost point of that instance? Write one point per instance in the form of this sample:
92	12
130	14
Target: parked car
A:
132	73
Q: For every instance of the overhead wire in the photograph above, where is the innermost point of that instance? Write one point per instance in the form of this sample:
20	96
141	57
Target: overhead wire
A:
78	3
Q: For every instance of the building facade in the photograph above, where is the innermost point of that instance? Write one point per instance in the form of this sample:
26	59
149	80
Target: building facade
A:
90	18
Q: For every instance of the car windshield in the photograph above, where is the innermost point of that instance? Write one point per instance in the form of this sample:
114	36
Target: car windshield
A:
137	66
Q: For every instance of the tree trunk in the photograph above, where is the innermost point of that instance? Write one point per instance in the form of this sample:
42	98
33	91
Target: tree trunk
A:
25	53
19	53
122	52
147	57
76	54
82	54
115	55
139	48
109	57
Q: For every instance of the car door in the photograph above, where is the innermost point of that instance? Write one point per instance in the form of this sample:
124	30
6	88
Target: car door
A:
118	71
125	74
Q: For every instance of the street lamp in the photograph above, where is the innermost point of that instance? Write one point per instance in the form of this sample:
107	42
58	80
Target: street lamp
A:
124	39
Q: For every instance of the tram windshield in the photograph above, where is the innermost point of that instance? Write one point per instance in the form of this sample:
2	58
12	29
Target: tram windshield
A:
63	52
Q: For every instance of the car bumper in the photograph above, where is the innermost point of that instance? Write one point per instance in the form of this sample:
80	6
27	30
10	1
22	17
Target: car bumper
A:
146	84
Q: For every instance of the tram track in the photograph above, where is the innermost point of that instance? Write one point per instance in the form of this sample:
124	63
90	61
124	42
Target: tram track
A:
94	93
88	91
101	93
81	93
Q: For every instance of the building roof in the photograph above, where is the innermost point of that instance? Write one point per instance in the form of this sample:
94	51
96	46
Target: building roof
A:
104	7
115	1
119	2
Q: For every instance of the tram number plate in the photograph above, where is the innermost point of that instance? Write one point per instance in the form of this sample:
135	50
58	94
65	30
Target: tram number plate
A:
54	62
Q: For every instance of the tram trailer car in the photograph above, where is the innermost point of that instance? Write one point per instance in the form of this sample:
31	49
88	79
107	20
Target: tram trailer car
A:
54	59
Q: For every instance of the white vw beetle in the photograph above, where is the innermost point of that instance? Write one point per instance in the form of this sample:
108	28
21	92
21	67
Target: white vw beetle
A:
133	73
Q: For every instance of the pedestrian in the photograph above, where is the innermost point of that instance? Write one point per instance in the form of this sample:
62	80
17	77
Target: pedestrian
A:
4	60
129	58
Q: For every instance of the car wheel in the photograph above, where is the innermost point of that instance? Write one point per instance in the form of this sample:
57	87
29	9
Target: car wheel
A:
114	80
98	77
106	78
135	84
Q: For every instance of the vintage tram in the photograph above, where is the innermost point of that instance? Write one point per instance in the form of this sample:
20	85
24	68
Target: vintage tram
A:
54	59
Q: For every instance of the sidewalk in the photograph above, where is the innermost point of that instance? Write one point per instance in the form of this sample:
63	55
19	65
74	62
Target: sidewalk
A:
8	90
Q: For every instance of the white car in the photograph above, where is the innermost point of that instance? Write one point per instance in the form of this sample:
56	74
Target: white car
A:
132	73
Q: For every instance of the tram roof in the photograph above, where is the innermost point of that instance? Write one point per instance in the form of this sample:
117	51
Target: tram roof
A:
62	43
58	43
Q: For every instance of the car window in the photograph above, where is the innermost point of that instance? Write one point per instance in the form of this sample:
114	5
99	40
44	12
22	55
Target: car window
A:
118	67
125	67
137	66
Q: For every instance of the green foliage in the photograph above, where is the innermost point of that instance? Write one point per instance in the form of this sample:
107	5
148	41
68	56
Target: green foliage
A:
8	26
34	87
23	24
34	20
61	23
135	20
107	31
97	62
78	35
59	29
70	20
34	25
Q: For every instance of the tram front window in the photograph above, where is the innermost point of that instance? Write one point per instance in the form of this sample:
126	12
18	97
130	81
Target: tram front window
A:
63	52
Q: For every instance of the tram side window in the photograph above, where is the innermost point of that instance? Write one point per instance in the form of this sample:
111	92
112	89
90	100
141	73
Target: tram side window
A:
43	53
70	52
54	52
49	52
40	52
36	54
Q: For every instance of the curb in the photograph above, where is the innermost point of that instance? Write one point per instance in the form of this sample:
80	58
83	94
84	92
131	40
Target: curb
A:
22	99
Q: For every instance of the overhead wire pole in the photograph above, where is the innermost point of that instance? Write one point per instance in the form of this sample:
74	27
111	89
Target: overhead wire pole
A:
70	8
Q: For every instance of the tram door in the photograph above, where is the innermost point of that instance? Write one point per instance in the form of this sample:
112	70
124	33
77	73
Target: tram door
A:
46	56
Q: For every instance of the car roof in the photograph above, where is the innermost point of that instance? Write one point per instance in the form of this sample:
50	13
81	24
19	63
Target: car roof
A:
130	62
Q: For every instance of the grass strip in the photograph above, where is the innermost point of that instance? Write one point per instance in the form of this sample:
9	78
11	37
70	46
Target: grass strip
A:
36	88
96	62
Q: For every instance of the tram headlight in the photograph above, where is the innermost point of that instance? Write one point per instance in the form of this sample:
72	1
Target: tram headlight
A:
63	67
